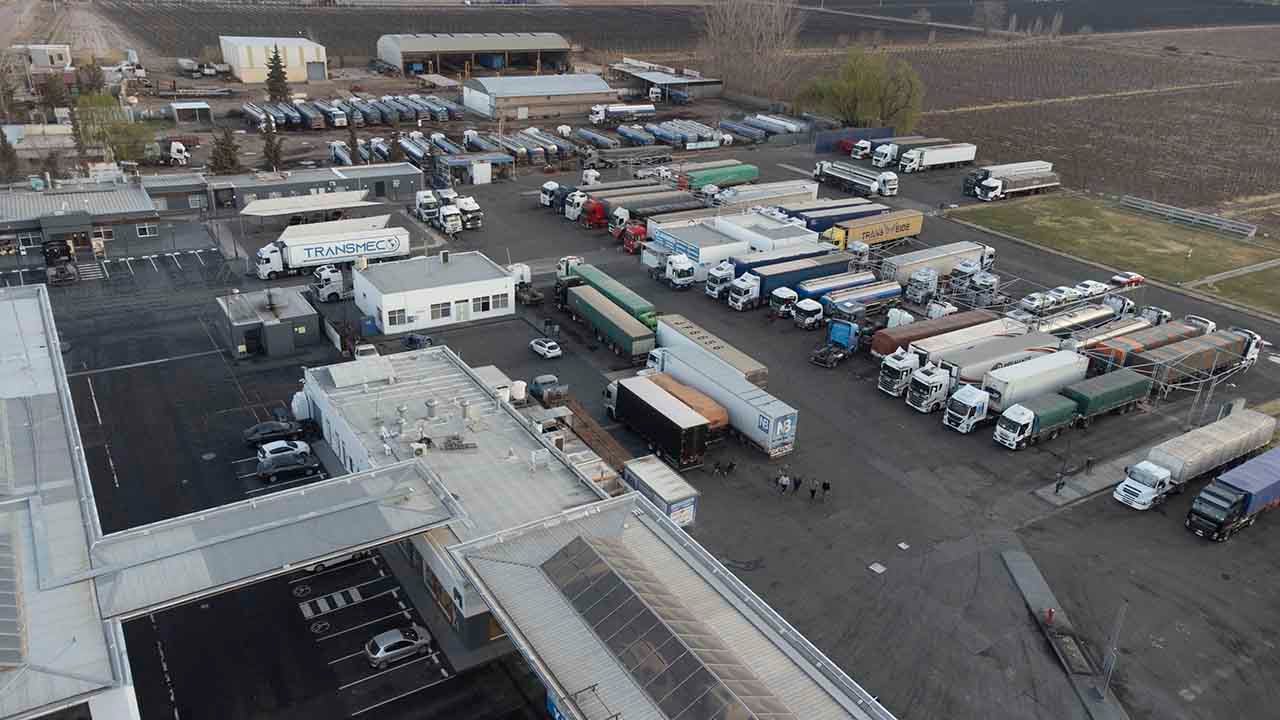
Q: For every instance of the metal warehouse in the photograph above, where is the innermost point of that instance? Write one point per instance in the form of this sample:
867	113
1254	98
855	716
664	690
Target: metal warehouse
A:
275	322
433	292
385	182
87	217
425	53
641	76
304	60
539	96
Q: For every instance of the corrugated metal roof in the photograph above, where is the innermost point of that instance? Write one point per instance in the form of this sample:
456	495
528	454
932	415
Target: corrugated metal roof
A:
163	182
569	656
315	175
284	42
476	42
68	654
420	273
28	205
540	85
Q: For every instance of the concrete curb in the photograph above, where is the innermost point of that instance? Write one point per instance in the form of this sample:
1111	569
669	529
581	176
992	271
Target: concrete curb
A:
1182	290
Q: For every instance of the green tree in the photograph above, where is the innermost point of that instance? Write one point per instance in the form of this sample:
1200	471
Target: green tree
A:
225	158
77	134
273	150
9	170
90	78
54	93
870	89
277	80
51	165
128	141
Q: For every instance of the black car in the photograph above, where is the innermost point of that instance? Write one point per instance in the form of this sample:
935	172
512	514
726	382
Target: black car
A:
272	430
290	466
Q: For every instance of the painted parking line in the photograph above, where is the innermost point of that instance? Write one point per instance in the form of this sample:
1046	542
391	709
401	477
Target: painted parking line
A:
337	568
334	602
402	695
401	613
197	254
393	668
129	263
356	654
174	258
152	258
794	169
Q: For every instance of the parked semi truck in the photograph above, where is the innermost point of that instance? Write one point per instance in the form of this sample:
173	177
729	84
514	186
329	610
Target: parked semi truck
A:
673	431
942	259
840	343
932	384
571	270
864	148
758	417
919	159
853	179
1091	338
717	417
721	275
876	232
1078	404
887	341
301	248
721	177
1212	448
976	176
897	367
679	333
1200	357
888	154
610	324
1004	387
999	188
1236	498
755	288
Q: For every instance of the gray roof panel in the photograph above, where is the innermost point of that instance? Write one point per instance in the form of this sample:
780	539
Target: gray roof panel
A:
421	273
476	42
540	85
102	201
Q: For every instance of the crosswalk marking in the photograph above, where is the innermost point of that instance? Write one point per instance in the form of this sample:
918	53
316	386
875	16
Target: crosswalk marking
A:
328	603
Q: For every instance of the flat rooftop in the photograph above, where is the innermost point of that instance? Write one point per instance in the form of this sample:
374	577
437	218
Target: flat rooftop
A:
619	611
55	648
510	477
422	273
266	307
476	42
316	175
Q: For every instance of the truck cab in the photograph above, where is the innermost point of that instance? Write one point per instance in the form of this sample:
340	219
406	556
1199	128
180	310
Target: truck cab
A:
744	292
573	203
1145	485
472	215
673	269
270	262
896	370
884	155
718	280
449	220
928	389
807	314
967	408
782	302
547	193
990	189
1014	426
328	284
590	176
922	286
861	149
1217	512
888	183
426	206
633	236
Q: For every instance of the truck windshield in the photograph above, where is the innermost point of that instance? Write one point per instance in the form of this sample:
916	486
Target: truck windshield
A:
1011	426
918	387
1209	510
1142	476
958	407
892	374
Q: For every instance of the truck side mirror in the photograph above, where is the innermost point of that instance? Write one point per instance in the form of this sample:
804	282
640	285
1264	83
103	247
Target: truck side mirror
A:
1126	469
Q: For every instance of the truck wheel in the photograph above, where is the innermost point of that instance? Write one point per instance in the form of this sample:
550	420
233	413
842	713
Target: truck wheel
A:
273	275
333	297
1054	435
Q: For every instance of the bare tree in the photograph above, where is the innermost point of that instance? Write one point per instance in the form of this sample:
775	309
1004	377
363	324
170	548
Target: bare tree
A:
1013	23
1055	26
989	14
747	42
923	15
1037	27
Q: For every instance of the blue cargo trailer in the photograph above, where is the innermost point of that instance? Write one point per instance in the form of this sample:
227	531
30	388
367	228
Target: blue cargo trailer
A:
791	273
635	136
799	251
821	220
742	130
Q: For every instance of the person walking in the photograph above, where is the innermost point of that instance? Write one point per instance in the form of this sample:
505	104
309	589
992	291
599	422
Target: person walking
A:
784	482
795	486
813	489
826	488
715	469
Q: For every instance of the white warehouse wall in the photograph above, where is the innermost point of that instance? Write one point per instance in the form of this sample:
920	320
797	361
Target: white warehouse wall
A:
248	61
417	304
477	101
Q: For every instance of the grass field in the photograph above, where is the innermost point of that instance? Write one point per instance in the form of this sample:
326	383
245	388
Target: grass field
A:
1094	230
1259	289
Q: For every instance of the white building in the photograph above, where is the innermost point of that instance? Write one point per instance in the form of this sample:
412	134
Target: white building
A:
304	60
432	292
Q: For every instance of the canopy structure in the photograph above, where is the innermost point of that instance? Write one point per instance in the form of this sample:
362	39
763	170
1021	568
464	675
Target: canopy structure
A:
275	207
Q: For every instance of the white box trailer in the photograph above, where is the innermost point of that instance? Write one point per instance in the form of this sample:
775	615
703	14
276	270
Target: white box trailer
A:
755	415
304	247
936	156
662	486
679	333
941	259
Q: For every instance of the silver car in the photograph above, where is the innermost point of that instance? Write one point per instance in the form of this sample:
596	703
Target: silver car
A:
394	645
1064	295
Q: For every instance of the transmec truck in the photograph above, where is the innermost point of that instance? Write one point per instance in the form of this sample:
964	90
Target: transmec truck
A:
303	247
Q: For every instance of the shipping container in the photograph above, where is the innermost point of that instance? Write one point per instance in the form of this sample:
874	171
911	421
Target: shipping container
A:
677	331
876	231
663	487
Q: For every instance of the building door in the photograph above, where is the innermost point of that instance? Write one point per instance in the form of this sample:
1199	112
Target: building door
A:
462	311
522	112
315	71
253	341
380	188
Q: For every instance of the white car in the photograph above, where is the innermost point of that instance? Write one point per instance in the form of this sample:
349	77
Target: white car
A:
277	449
1064	295
546	348
1036	303
1092	289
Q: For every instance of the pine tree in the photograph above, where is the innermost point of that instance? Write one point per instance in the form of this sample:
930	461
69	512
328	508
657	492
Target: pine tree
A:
353	142
273	149
277	80
8	160
225	157
55	94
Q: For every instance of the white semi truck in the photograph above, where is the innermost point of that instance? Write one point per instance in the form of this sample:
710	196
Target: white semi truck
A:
1004	387
931	385
999	188
897	367
303	247
920	159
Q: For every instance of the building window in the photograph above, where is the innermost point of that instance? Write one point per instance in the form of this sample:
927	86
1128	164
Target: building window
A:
480	304
395	182
29	239
396	317
148	230
501	302
300	329
197	201
104	233
439	311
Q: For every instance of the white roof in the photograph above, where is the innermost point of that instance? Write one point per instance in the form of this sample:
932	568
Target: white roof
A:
661	478
272	207
335	227
540	85
284	42
475	42
421	273
56	648
664	402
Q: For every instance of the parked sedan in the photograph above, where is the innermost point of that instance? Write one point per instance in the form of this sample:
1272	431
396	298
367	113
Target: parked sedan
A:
546	348
272	430
1064	295
1036	303
279	449
398	644
1092	289
1127	279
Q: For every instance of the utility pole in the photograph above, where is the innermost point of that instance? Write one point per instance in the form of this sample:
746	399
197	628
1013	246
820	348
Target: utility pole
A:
1112	652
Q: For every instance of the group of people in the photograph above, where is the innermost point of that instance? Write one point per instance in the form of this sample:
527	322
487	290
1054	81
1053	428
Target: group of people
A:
787	484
